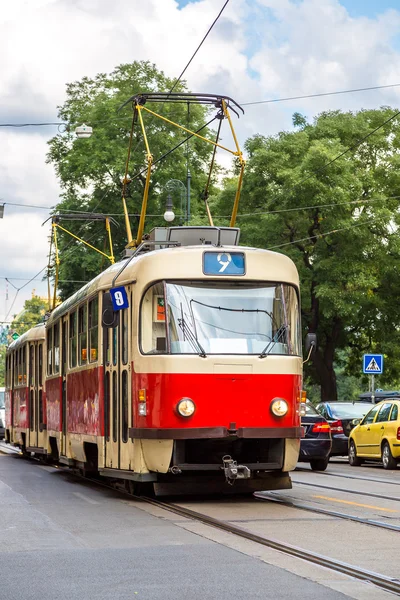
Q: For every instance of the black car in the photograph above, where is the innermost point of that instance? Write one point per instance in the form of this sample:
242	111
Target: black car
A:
340	416
315	447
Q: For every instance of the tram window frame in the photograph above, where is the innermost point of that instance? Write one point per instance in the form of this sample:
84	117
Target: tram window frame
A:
82	334
49	351
114	407
56	348
73	339
32	410
41	410
24	365
40	367
31	365
124	406
93	328
124	336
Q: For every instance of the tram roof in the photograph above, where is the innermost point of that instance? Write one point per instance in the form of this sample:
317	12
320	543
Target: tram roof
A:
178	263
36	333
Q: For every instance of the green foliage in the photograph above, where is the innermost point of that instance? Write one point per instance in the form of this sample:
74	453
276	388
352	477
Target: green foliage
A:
338	224
90	170
33	313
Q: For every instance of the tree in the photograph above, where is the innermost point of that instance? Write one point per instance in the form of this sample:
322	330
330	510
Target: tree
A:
90	170
335	213
33	313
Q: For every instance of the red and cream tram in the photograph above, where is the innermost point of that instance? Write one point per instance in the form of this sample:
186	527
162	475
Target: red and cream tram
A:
178	367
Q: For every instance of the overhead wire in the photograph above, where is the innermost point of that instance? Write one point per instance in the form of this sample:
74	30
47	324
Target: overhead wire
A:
199	46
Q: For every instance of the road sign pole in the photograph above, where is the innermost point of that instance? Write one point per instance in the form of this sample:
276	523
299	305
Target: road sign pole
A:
373	389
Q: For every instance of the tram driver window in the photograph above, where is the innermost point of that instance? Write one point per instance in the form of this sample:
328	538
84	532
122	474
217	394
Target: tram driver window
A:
82	335
153	329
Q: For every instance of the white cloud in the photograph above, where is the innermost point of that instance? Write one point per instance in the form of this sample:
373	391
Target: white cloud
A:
259	49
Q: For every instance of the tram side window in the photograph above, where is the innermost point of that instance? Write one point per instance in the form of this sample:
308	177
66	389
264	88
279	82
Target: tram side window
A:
94	329
31	365
40	364
56	342
82	334
124	326
23	365
153	328
50	351
72	339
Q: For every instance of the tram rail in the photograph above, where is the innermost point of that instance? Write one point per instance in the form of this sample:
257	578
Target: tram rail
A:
357	492
323	511
383	582
354	478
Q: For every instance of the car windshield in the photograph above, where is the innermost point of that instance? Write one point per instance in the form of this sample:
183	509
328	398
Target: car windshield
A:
310	410
220	318
357	409
2	399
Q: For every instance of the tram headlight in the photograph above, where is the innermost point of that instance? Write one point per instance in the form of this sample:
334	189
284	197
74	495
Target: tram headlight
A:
279	407
186	407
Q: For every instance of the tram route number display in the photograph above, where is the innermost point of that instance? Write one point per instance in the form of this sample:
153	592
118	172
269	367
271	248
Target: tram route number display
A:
119	298
223	263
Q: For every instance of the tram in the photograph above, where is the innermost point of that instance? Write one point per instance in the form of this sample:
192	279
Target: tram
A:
177	369
194	383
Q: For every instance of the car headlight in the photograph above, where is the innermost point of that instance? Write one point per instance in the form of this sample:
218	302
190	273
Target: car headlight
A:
186	407
279	407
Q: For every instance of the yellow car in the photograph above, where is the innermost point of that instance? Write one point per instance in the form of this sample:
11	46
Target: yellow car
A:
377	436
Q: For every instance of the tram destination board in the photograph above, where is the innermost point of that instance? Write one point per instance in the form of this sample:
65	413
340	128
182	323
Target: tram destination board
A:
224	263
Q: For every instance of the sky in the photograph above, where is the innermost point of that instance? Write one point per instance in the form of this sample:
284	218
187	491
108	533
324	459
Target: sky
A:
258	50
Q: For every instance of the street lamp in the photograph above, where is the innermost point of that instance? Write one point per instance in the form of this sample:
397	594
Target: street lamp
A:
169	214
83	131
173	184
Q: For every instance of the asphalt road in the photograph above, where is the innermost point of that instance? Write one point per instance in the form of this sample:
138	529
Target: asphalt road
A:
65	539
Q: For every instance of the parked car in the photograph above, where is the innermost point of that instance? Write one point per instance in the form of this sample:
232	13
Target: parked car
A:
315	447
377	436
340	416
2	414
379	395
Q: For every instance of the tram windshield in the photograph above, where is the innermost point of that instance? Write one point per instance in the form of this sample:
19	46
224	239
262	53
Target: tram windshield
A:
220	318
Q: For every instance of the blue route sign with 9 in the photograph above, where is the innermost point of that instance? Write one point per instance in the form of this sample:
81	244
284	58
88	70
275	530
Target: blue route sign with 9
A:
223	263
373	364
119	298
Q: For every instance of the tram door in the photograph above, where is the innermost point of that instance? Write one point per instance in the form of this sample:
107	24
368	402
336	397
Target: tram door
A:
64	412
32	387
117	392
39	377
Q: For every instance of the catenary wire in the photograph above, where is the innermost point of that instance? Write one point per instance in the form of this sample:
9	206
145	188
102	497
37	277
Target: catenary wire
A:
352	91
198	47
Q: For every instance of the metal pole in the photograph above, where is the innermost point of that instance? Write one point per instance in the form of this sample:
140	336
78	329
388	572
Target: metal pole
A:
189	177
373	389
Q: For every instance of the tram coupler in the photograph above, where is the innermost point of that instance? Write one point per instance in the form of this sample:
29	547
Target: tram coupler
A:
233	471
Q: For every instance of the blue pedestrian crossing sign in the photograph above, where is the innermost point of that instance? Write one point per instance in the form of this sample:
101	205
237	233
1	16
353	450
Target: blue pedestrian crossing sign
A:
373	364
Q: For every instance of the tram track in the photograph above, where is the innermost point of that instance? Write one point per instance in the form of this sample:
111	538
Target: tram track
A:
380	581
354	478
271	497
357	492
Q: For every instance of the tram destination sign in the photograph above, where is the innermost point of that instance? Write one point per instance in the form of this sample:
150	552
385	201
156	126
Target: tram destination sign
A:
373	364
119	298
224	263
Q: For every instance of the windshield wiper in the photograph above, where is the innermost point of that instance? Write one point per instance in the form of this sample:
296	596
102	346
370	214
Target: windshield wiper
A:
278	335
194	342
